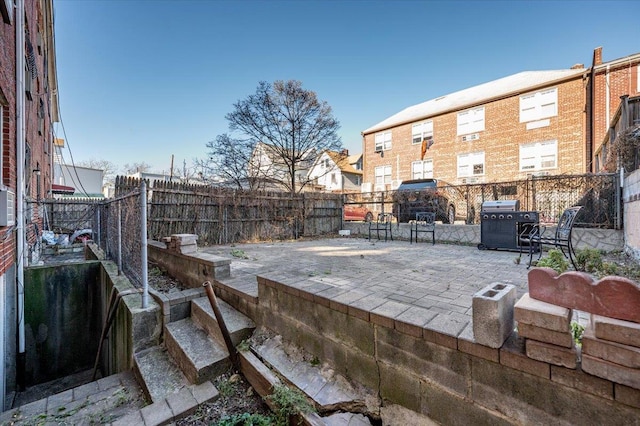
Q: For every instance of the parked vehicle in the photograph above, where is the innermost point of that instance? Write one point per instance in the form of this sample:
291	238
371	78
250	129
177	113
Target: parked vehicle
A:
357	212
422	195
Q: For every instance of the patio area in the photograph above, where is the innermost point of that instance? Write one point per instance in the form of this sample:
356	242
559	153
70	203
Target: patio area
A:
432	285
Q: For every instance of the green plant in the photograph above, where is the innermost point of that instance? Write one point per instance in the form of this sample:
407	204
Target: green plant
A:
225	388
244	346
246	419
609	268
239	253
315	361
576	332
589	260
287	402
555	259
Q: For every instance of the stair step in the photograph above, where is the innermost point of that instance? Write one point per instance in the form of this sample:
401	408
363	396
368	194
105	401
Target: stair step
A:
199	357
159	375
239	325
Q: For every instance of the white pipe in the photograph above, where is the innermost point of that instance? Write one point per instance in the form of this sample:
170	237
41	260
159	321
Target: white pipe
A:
20	188
143	241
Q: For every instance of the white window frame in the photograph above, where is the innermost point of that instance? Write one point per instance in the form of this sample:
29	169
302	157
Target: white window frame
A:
422	169
471	121
382	175
538	156
420	131
383	141
471	164
538	105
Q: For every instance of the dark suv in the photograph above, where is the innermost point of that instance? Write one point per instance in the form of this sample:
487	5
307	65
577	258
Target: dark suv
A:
422	195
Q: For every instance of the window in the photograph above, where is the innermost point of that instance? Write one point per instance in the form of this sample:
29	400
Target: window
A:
471	121
538	156
383	175
383	141
422	169
539	105
471	164
421	131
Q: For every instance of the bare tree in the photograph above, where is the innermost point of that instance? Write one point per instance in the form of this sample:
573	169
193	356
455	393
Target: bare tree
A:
136	167
107	167
285	127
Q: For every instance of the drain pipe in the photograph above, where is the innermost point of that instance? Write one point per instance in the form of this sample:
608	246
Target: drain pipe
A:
20	191
143	244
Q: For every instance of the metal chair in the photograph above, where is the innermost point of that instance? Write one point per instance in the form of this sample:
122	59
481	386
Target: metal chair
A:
425	222
535	238
383	223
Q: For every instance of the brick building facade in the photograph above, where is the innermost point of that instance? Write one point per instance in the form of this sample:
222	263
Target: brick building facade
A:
29	107
531	123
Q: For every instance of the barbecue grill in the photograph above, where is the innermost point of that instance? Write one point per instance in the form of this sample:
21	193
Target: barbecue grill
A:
501	223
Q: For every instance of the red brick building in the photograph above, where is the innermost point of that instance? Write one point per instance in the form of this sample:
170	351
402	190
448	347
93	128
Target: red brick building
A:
28	107
530	123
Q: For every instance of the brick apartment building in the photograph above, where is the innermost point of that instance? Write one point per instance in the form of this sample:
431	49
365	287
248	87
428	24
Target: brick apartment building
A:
28	107
530	123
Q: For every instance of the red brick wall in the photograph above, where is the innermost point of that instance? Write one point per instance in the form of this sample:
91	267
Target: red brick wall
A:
500	140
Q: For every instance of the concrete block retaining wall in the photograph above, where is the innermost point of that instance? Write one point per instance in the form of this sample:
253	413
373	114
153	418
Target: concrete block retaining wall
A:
601	239
451	379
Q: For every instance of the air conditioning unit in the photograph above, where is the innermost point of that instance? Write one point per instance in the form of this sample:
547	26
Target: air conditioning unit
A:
366	187
7	207
395	184
379	188
471	137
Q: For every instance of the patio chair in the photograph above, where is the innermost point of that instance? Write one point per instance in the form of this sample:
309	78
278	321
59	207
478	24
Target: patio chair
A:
425	222
383	223
534	236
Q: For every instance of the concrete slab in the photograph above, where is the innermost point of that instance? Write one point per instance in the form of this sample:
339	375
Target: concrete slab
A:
160	375
239	325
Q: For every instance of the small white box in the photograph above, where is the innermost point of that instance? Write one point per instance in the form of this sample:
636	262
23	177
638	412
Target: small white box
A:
344	232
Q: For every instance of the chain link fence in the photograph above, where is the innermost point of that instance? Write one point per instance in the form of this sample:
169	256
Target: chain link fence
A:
599	194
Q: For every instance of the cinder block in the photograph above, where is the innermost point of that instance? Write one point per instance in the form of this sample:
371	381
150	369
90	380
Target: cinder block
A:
610	371
493	314
617	353
625	332
542	314
552	354
558	338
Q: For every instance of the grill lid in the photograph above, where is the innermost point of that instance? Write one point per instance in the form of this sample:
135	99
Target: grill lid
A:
501	206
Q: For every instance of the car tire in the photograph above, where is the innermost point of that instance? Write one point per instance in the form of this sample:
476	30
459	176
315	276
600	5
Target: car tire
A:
368	217
451	215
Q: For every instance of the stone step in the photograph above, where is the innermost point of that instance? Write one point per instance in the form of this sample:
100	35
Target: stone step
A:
159	376
239	325
199	356
329	391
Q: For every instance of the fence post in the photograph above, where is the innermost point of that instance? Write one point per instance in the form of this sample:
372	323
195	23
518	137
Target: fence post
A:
119	238
143	244
99	229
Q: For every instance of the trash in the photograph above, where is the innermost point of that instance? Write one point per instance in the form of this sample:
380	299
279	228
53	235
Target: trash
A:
63	240
48	237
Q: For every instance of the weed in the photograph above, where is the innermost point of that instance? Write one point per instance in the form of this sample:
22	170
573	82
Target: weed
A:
555	259
155	272
246	419
244	346
225	388
315	361
239	254
288	402
576	332
589	260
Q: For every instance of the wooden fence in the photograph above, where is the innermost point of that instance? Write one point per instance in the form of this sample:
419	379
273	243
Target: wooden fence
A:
222	215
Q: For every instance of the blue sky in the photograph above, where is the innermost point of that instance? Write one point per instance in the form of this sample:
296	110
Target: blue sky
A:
144	80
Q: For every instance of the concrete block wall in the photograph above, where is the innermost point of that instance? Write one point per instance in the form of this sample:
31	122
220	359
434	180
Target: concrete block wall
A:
449	378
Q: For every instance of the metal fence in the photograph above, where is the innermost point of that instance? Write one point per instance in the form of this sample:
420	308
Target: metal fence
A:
599	194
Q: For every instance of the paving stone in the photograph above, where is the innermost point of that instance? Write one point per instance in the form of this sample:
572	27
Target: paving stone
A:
614	297
130	419
610	371
59	399
582	381
541	334
205	392
513	355
555	355
385	314
182	403
85	390
625	332
413	320
617	353
109	382
542	314
157	413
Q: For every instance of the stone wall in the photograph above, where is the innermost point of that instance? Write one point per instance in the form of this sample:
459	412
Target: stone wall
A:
451	379
601	239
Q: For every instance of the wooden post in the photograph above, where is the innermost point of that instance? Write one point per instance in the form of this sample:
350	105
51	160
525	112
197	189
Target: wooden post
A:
223	327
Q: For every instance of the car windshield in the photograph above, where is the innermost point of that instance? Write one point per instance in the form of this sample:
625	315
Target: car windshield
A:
417	185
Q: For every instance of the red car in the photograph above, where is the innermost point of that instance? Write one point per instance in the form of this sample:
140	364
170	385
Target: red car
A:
357	212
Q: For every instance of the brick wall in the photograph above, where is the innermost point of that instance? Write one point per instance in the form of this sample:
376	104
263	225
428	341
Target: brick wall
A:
500	140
